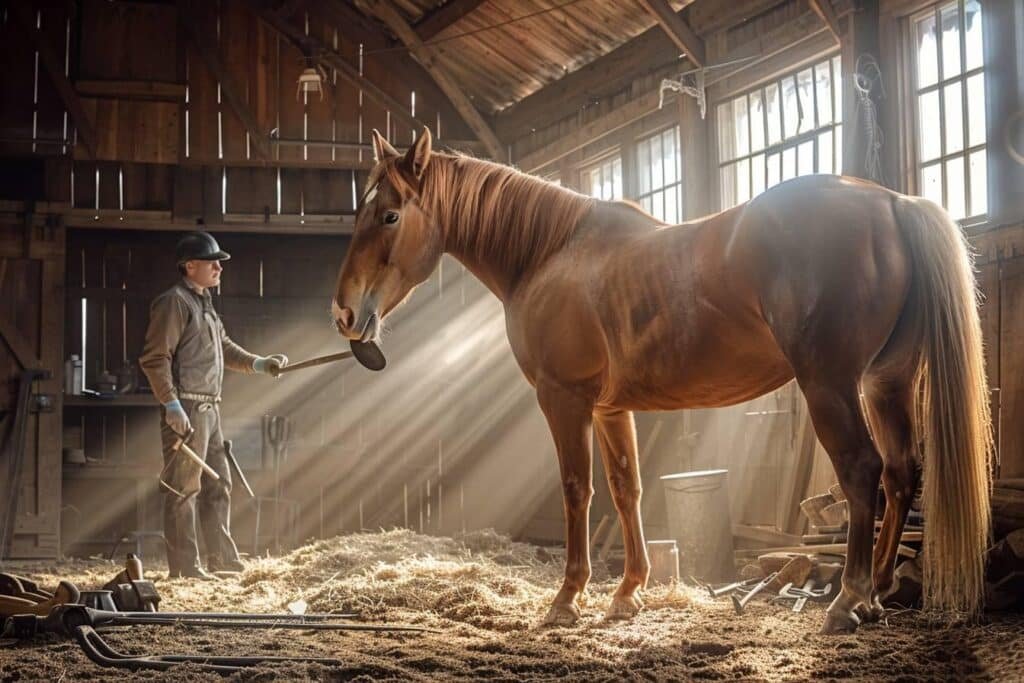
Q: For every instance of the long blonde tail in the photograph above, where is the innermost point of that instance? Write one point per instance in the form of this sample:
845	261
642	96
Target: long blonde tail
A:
953	419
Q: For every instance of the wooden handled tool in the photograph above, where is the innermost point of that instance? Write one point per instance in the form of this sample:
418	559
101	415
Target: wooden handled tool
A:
65	594
368	354
320	360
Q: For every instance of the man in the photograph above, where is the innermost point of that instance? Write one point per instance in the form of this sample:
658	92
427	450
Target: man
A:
186	352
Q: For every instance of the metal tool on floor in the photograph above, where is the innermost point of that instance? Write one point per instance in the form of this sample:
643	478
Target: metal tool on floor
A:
63	620
101	653
22	603
181	447
130	591
800	596
21	587
741	586
740	603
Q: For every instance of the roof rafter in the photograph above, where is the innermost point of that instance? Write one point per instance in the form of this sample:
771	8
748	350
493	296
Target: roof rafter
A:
437	20
824	9
390	16
678	30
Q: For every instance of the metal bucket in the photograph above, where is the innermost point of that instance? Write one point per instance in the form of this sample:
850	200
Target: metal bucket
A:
698	518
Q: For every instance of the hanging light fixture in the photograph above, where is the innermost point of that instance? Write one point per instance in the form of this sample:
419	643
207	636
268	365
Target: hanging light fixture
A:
311	80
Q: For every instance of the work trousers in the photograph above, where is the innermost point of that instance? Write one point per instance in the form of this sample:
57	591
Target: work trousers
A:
210	497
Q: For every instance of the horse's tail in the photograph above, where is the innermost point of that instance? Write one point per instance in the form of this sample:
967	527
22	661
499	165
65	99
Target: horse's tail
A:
953	417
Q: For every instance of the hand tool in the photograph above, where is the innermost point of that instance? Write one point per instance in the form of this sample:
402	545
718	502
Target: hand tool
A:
63	619
237	469
742	586
181	446
367	353
101	653
740	603
20	587
66	593
802	595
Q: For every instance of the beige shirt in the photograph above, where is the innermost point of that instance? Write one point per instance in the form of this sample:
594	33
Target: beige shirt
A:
187	348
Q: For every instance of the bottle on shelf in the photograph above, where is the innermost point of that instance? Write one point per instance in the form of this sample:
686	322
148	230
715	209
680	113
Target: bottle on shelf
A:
73	377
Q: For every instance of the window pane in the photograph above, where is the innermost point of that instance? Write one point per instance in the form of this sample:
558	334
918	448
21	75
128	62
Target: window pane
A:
956	202
928	125
972	20
950	41
931	183
756	121
790	107
740	123
789	163
726	136
728	185
672	205
825	153
657	175
927	53
805	91
617	179
837	71
646	203
643	166
954	118
805	158
757	171
838	147
774	123
742	181
979	184
823	84
976	109
595	183
670	153
774	169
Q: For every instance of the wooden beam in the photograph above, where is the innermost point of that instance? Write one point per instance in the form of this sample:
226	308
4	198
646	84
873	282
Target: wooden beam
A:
609	123
437	20
824	9
138	90
55	68
650	51
390	16
678	30
334	60
228	88
19	346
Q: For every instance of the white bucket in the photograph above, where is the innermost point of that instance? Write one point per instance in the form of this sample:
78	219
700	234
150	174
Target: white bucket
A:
698	518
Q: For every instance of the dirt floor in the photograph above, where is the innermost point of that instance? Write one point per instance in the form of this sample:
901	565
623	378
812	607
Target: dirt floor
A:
487	596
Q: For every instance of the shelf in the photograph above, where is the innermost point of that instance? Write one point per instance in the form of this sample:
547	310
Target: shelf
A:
119	401
110	471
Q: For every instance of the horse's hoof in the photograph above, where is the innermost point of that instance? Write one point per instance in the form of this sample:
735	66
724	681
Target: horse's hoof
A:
839	622
562	615
624	607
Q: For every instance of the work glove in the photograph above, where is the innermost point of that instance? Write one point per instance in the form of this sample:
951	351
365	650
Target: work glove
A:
271	364
176	417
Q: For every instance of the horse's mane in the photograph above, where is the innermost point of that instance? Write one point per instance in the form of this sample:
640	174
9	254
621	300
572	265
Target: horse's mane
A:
497	212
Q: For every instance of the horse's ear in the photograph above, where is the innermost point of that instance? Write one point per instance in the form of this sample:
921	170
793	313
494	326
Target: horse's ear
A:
418	156
382	149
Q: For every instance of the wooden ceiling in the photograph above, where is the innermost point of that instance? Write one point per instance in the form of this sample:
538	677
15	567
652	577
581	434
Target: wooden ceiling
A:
500	66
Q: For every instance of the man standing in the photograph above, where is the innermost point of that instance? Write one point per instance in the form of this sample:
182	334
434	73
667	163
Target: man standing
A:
186	352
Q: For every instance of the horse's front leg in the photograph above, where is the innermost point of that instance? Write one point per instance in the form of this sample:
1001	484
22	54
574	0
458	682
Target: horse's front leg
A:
616	433
569	417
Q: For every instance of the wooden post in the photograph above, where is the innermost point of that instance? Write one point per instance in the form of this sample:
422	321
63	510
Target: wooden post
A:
1003	28
862	40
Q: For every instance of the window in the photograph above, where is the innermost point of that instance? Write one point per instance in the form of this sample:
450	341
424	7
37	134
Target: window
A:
604	179
659	182
783	129
950	99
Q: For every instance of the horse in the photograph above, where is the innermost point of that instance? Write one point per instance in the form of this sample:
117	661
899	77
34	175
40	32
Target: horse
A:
865	296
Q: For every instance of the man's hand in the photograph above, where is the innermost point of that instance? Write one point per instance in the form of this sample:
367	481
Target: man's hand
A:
270	365
176	417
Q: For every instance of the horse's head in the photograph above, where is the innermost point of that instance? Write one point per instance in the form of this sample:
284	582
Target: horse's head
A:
395	245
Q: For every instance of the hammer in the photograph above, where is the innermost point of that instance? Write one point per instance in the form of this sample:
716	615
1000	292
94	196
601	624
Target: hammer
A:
181	446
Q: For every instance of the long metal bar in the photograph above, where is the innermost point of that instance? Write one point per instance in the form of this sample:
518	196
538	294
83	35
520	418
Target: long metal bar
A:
240	616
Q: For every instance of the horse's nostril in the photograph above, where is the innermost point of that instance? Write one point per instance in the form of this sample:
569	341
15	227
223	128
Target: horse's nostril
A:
345	317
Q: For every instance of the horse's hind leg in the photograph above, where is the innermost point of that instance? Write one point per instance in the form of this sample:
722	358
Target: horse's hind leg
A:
616	433
890	410
835	410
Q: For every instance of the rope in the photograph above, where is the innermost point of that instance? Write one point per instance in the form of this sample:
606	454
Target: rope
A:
866	74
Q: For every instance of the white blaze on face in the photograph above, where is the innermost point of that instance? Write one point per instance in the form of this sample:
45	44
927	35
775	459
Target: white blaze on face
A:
336	310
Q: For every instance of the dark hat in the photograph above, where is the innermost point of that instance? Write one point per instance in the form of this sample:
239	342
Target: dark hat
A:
201	246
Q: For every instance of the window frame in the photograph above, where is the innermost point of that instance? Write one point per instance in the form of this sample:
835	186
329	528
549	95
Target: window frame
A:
835	126
597	162
915	91
645	137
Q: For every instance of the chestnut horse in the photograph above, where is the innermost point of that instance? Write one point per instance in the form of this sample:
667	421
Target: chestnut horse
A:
852	289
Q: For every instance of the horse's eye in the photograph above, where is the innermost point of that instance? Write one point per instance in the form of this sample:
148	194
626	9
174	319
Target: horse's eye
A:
391	217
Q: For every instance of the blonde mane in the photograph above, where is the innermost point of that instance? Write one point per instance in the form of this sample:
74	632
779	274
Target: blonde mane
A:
495	212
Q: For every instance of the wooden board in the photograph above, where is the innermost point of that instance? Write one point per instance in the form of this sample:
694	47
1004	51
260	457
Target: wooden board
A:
1011	369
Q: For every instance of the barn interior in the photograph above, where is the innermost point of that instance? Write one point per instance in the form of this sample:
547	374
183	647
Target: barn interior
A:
428	494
